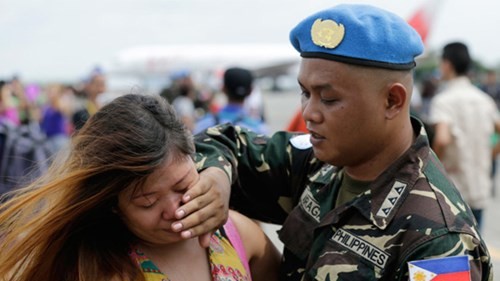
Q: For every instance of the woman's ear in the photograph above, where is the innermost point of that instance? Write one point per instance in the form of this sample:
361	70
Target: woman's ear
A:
397	98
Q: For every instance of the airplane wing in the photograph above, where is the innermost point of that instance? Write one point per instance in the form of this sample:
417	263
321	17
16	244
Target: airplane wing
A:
263	59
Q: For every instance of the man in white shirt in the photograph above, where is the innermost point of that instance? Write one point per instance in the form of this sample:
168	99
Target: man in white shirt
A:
465	120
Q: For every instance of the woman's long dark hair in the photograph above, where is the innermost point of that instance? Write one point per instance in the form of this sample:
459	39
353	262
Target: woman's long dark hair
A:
63	227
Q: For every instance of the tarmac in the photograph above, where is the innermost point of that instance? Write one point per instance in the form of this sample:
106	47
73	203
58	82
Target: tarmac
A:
280	107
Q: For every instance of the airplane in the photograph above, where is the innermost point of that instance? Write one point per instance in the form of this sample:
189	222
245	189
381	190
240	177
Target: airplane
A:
423	19
156	62
161	59
151	64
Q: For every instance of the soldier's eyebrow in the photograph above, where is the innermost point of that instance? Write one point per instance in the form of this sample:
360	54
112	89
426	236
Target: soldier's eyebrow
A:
316	87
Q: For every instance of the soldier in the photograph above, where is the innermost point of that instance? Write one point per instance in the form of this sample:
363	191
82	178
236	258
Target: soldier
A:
362	197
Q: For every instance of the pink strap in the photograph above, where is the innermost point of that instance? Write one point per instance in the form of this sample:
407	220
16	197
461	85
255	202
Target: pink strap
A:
235	239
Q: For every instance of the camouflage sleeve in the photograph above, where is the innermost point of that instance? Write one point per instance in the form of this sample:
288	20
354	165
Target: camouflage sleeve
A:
259	167
452	244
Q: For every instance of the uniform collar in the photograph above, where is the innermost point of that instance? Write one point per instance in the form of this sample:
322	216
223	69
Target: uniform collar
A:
387	192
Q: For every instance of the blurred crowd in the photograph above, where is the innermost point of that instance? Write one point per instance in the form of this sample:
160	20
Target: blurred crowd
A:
38	120
61	109
57	109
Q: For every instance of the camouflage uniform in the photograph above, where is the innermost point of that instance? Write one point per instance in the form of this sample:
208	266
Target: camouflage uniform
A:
410	212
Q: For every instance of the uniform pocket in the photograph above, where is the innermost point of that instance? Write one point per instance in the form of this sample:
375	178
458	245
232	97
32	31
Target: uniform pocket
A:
336	262
297	233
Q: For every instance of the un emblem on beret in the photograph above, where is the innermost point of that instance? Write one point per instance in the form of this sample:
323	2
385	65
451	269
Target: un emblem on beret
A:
327	33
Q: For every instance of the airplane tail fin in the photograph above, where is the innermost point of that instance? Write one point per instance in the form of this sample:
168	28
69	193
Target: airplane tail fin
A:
423	19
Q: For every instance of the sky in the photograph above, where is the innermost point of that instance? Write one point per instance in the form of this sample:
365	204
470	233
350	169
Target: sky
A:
64	39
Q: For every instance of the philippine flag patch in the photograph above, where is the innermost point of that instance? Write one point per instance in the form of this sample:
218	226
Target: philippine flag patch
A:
440	269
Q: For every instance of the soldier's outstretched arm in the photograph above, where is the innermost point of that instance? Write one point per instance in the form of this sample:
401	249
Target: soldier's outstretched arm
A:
259	168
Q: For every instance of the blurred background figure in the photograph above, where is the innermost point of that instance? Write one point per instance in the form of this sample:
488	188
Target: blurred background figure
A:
24	153
8	108
427	90
254	104
19	104
87	103
183	95
237	86
56	114
465	118
491	86
26	109
178	80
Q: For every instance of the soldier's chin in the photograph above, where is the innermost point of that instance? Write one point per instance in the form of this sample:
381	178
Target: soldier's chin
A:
325	157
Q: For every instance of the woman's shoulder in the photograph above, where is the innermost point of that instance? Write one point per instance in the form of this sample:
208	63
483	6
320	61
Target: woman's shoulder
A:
262	255
251	234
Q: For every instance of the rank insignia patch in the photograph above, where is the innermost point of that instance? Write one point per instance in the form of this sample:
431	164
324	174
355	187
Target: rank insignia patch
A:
391	199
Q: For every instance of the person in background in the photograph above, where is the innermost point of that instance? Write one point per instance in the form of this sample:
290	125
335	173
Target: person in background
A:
254	104
105	208
24	152
428	88
465	119
26	108
93	87
492	87
237	85
56	114
349	194
8	108
182	95
177	79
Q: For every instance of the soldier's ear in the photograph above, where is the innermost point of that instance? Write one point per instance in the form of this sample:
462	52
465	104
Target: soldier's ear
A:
396	99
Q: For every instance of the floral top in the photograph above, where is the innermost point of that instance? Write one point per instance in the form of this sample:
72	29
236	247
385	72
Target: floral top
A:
227	263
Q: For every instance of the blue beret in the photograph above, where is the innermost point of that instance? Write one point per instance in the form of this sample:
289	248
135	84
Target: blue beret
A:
358	34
